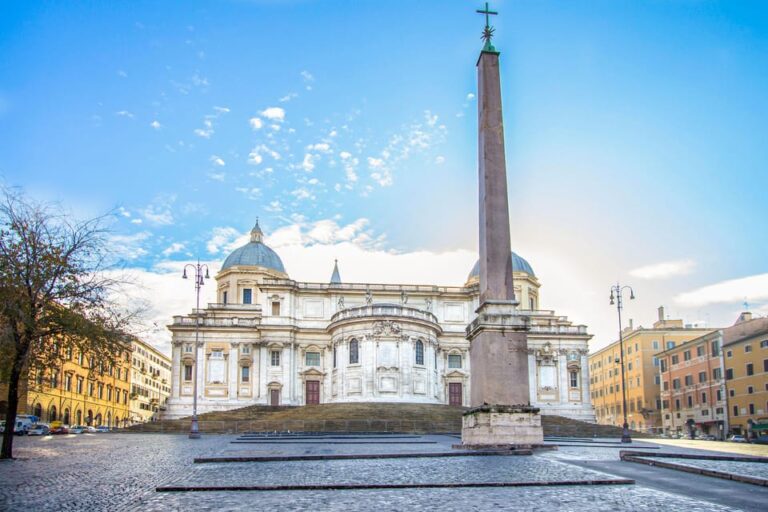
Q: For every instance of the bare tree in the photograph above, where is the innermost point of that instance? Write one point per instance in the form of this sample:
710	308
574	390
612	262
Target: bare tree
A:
56	295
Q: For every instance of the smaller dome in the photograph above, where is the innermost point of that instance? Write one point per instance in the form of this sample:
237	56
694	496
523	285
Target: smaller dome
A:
254	254
519	264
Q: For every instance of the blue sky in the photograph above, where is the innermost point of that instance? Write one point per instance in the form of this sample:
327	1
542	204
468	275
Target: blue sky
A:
635	132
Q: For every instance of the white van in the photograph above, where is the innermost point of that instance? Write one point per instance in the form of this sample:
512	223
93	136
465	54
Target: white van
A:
23	423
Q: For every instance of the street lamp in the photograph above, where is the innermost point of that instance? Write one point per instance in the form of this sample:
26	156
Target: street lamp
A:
616	298
194	432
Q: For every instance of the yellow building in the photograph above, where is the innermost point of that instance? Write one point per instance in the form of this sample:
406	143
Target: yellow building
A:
81	391
745	359
641	347
150	381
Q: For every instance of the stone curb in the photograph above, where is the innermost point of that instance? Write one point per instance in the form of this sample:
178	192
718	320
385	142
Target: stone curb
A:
638	457
289	458
341	487
320	441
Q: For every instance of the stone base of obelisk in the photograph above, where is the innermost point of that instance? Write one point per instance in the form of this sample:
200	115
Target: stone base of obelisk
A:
502	427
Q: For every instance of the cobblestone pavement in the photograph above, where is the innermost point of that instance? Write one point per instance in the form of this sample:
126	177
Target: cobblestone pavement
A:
121	471
755	469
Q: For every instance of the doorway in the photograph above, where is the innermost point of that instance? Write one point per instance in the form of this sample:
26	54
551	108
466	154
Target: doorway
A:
455	394
274	397
313	392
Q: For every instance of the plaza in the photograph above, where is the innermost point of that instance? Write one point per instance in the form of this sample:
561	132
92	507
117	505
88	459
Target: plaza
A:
126	471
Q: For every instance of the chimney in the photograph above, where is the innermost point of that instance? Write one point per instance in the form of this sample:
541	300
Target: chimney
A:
631	325
661	313
744	317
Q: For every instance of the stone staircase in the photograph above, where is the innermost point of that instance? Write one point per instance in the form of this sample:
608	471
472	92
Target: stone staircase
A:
358	417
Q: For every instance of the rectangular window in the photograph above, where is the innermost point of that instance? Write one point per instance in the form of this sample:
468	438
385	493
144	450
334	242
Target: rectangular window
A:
224	297
764	344
655	361
217	354
275	358
690	401
677	403
247	296
574	379
90	389
750	369
666	385
655	344
751	408
334	357
705	412
454	360
245	374
68	382
629	367
676	384
728	373
703	398
675	359
657	379
187	349
719	410
663	364
750	390
728	354
55	379
719	395
245	349
687	355
765	365
715	348
702	377
747	348
689	380
312	358
700	351
79	386
187	372
731	393
670	344
717	374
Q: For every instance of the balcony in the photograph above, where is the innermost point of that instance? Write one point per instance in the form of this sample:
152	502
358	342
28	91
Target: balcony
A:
383	310
190	321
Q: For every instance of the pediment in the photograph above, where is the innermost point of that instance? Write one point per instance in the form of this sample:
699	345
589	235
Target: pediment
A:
456	373
312	372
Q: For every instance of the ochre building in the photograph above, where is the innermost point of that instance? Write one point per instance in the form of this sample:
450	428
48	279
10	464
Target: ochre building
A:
641	349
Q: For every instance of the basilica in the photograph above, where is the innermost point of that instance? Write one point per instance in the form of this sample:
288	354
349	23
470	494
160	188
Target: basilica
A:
272	340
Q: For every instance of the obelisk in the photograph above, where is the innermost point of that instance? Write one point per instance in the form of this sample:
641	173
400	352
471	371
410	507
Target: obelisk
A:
501	413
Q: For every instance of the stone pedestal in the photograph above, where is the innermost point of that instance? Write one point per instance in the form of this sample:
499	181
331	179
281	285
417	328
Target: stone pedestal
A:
502	426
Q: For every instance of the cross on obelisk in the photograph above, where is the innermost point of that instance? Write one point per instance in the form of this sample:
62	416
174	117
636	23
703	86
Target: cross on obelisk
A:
488	30
501	413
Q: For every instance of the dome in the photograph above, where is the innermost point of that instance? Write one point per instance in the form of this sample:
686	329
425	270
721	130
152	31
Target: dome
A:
254	253
519	264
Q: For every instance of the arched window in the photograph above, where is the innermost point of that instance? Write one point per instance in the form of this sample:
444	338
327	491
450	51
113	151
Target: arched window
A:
354	352
66	417
79	417
52	413
38	411
89	418
98	420
419	352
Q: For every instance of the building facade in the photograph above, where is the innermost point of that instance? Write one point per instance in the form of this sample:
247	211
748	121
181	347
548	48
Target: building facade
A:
745	363
693	394
272	340
150	382
641	349
80	391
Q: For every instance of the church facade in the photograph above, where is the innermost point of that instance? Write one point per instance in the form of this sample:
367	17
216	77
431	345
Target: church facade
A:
272	340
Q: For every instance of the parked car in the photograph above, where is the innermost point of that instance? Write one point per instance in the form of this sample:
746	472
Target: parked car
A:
40	429
89	429
763	439
737	439
76	429
58	428
708	437
102	428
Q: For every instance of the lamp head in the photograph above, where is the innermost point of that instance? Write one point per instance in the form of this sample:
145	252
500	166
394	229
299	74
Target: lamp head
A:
611	296
184	274
208	276
631	294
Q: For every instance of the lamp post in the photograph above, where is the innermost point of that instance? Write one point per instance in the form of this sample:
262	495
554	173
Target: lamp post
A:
616	298
194	432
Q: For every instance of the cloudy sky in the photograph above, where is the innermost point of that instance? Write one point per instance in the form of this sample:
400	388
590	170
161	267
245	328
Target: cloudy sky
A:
635	133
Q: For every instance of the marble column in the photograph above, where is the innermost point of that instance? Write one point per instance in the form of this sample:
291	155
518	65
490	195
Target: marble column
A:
233	368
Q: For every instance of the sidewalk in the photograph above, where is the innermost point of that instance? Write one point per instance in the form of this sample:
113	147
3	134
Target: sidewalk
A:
757	450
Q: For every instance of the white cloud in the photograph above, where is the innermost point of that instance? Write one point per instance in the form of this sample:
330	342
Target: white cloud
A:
274	206
664	270
129	247
321	147
288	97
173	248
308	164
255	156
439	159
731	291
122	73
155	124
273	113
217	161
217	176
256	123
124	113
375	163
302	193
470	96
221	110
252	193
159	212
222	238
307	76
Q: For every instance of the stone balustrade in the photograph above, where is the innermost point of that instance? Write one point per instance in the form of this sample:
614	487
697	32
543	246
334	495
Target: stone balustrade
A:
379	310
216	322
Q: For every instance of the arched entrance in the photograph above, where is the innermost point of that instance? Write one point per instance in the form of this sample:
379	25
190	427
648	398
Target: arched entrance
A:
79	417
52	413
38	411
97	420
109	419
89	418
66	417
